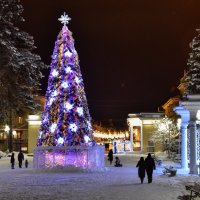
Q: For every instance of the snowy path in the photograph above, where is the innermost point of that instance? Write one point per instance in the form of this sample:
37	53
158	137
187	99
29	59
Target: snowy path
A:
113	184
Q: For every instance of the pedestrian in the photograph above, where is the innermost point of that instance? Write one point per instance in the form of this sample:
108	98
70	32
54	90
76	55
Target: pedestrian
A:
150	166
141	169
110	156
12	161
20	158
117	162
26	163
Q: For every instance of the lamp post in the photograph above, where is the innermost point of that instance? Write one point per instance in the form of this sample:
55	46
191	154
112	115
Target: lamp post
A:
7	129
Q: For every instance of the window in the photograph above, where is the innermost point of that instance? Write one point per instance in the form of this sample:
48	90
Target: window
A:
150	143
136	138
150	147
20	121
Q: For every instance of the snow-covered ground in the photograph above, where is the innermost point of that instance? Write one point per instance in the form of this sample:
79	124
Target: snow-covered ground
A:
112	184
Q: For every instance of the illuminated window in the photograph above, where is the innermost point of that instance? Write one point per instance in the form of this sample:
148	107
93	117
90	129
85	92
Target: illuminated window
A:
136	138
15	135
1	136
20	120
19	135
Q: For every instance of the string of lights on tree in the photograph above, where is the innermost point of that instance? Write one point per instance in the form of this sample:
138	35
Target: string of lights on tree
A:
66	120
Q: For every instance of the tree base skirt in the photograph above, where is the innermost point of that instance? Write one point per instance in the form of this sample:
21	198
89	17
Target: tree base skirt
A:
83	157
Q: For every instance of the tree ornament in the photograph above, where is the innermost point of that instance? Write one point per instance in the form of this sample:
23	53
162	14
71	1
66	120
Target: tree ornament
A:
64	19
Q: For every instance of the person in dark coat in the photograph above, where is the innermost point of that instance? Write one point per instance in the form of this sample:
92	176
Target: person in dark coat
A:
12	161
117	162
141	169
20	158
150	166
110	156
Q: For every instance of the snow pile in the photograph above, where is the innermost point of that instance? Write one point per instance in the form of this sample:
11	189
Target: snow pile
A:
2	154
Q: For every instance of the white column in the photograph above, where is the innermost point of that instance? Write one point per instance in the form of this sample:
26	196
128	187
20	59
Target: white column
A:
141	139
184	155
192	103
185	117
131	138
193	147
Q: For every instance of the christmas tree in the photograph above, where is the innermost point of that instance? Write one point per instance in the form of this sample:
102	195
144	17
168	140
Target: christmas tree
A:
192	79
66	120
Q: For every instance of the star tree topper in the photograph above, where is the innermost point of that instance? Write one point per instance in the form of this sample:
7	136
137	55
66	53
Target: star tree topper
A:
64	19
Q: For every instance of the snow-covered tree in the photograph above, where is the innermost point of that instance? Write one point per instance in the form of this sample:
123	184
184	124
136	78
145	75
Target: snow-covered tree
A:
66	120
192	79
20	68
166	131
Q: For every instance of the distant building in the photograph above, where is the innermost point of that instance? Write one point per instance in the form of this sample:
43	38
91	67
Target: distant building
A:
169	106
141	125
141	128
174	101
111	138
25	130
19	134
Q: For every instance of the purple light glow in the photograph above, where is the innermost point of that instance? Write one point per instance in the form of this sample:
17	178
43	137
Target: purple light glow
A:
62	159
83	157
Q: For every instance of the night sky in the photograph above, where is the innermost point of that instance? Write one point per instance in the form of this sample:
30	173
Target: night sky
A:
132	53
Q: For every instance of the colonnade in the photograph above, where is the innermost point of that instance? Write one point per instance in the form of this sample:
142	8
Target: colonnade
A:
188	110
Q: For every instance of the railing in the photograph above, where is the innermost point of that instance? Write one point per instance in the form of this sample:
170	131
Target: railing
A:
20	141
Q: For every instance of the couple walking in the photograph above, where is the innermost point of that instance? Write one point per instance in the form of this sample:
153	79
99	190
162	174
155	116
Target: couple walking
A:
20	159
147	165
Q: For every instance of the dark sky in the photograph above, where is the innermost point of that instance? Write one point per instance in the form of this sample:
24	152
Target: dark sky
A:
132	52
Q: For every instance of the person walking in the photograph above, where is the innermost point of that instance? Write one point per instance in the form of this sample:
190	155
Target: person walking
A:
20	158
141	169
12	161
110	156
150	166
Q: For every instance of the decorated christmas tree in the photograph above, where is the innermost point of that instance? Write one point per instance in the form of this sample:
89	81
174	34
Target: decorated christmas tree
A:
66	120
192	79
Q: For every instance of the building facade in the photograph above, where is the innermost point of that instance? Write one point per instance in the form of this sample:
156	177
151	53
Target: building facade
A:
19	135
25	130
141	128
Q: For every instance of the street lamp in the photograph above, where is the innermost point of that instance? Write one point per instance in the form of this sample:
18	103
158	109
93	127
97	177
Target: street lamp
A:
7	129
